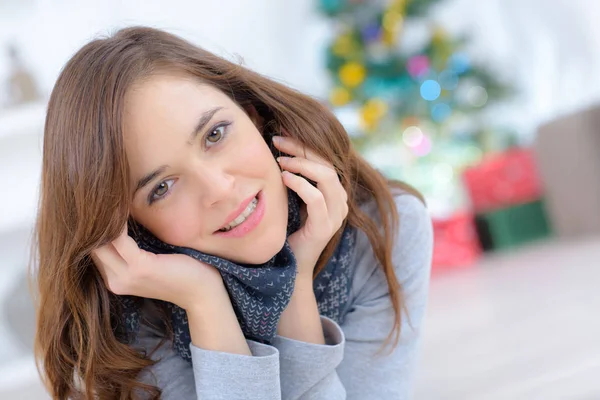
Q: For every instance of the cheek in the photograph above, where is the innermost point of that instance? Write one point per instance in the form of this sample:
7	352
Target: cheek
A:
256	158
179	225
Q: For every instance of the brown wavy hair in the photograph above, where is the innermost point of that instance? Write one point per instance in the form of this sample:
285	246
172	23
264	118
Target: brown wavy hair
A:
85	198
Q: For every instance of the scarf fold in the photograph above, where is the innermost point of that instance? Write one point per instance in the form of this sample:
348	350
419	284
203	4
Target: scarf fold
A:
258	293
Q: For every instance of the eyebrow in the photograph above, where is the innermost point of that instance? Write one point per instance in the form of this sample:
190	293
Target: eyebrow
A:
202	122
204	119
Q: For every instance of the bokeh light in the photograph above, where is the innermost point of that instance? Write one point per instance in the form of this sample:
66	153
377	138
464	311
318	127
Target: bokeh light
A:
371	33
423	148
352	74
412	136
477	96
417	66
430	90
339	96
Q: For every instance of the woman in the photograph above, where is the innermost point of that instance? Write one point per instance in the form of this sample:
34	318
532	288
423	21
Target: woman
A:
205	232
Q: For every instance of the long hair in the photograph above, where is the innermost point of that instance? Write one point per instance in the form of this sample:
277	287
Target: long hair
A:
85	198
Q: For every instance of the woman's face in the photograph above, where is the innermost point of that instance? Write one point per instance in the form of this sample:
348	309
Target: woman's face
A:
197	159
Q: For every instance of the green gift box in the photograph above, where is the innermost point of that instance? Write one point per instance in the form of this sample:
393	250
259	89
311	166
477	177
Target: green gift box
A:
513	226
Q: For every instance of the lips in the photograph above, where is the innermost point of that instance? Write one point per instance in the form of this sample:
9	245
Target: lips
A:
250	224
234	214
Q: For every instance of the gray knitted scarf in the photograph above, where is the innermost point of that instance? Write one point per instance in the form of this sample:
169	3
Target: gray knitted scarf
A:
258	293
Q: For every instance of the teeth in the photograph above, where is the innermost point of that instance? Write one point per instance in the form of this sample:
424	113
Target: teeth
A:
242	217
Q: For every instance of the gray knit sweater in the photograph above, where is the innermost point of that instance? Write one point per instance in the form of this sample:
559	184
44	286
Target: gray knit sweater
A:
346	366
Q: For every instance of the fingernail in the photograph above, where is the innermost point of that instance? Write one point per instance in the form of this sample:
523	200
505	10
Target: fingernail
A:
277	139
282	160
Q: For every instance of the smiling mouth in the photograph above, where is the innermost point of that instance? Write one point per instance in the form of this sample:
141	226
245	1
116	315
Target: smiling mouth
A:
242	217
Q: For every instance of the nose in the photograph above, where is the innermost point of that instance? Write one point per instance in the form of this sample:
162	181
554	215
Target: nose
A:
215	185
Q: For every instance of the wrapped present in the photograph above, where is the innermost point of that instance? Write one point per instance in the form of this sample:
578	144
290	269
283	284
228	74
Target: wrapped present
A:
513	226
455	242
503	180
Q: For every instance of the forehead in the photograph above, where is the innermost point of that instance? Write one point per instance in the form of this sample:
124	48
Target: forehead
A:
168	105
160	114
169	98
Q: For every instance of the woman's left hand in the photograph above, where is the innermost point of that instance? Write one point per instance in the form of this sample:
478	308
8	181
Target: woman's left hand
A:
326	204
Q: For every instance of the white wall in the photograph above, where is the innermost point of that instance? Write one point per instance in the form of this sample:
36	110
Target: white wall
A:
548	48
277	38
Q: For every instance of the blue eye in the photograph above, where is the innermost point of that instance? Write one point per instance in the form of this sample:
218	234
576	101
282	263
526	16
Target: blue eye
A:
160	191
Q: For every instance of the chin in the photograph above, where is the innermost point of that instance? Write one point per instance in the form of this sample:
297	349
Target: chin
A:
269	246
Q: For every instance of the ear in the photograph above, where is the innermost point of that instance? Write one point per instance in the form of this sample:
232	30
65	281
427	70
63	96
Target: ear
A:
254	116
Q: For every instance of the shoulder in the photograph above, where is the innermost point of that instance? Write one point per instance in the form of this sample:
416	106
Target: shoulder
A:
411	250
412	212
414	231
413	244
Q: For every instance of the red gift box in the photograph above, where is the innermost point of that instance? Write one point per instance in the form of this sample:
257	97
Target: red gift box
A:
455	242
503	180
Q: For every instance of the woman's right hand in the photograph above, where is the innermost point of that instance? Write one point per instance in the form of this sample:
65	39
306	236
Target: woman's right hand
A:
182	280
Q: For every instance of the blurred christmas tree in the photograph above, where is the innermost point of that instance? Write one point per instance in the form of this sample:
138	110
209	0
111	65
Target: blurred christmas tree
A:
415	112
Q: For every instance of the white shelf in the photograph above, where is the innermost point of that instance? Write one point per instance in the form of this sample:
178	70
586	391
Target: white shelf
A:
22	120
21	132
18	210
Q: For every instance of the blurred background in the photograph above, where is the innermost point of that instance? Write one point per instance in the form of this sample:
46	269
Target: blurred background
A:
490	108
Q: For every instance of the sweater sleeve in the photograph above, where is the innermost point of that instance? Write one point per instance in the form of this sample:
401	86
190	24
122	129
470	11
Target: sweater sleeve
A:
212	375
370	319
347	366
308	370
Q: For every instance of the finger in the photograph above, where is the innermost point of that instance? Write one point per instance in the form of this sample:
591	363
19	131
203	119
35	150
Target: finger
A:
327	180
294	148
315	202
126	246
108	261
